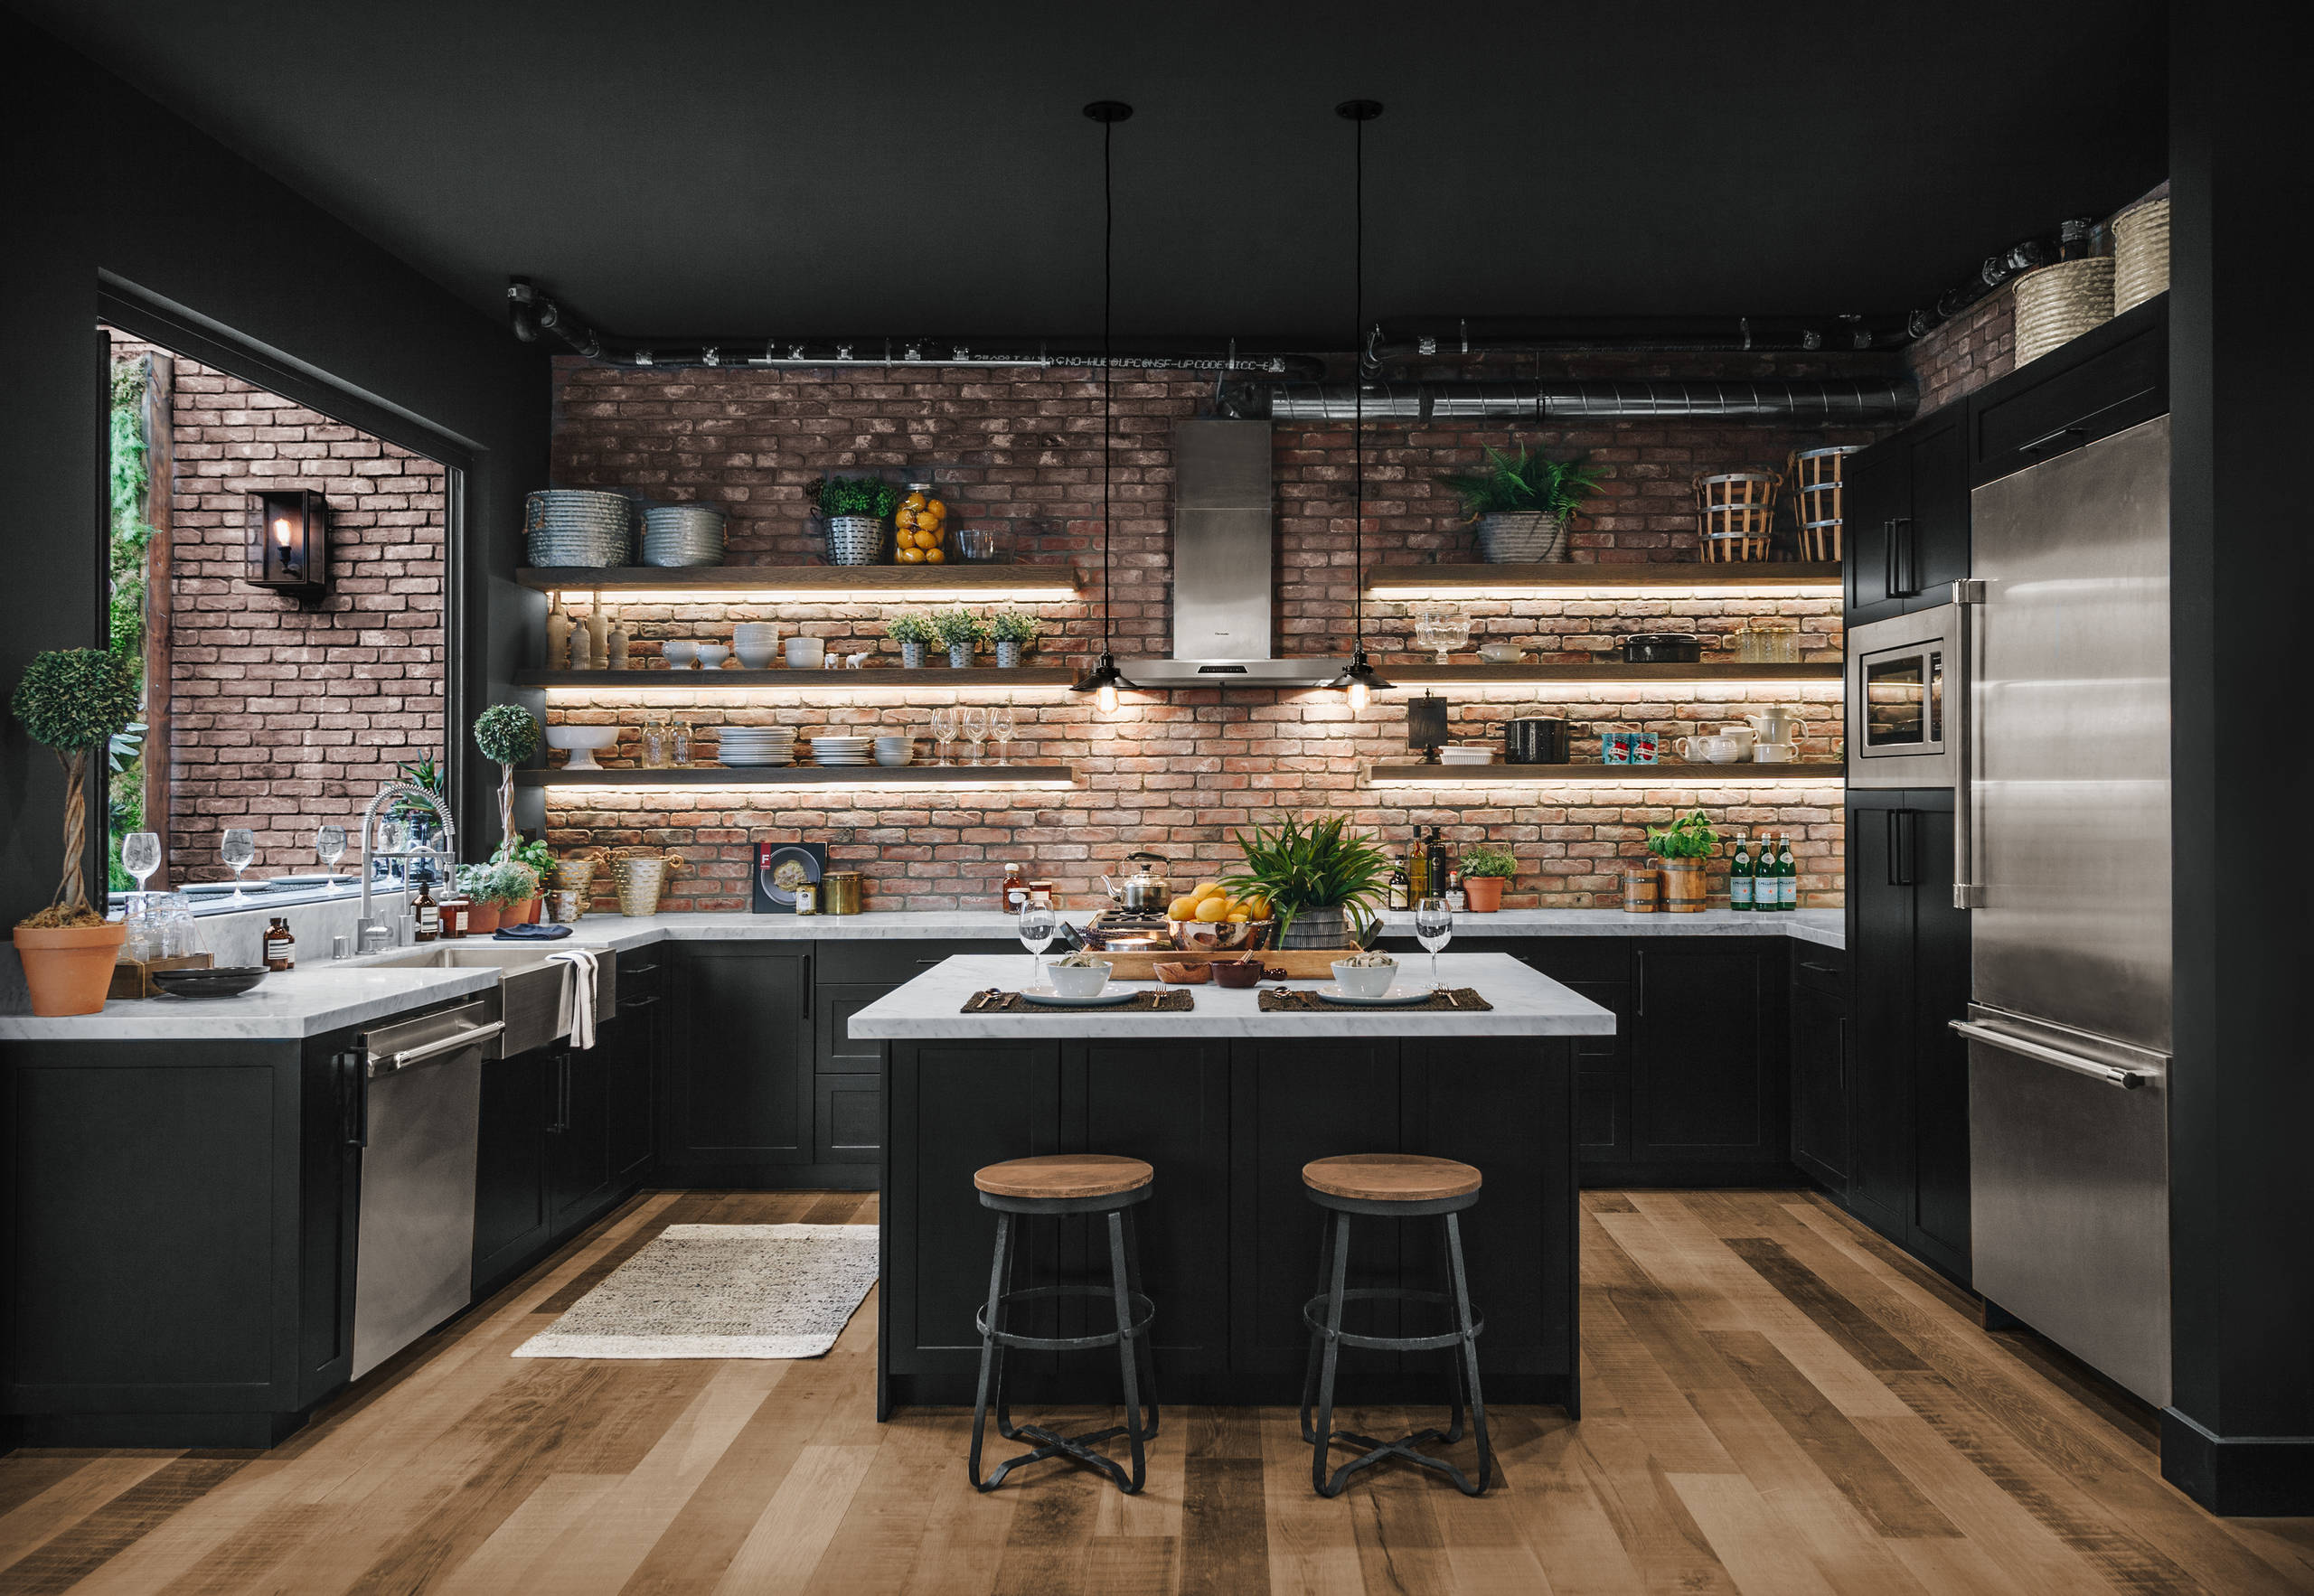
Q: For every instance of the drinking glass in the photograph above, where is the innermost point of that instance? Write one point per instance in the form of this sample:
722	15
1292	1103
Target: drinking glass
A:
1434	927
943	729
329	846
140	856
1038	924
975	728
239	851
1000	729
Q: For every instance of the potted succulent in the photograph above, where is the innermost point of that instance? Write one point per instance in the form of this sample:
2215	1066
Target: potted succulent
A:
855	508
72	701
493	889
1523	504
961	633
1015	631
507	734
1684	850
1486	871
911	629
1322	881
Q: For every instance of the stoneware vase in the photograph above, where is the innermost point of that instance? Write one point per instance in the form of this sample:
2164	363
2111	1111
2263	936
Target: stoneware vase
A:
960	657
1317	928
1684	884
1483	893
911	656
69	968
1008	656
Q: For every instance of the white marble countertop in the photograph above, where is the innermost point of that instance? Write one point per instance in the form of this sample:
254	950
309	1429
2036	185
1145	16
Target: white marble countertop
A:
1824	928
1525	1004
302	1002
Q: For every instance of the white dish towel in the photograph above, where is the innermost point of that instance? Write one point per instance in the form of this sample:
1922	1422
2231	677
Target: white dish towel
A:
582	992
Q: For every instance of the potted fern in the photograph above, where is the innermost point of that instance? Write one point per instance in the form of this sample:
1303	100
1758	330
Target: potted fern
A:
1523	504
1015	631
1684	847
961	633
911	629
72	701
1322	881
1486	871
855	508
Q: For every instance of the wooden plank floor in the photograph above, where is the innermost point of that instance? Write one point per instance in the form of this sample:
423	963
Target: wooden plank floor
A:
1777	1402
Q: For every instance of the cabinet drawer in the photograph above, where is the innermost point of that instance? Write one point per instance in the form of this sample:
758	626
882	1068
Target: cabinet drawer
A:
1819	969
2073	396
892	962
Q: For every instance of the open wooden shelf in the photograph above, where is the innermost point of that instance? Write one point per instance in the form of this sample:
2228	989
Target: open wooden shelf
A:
807	581
802	680
1650	775
1479	670
808	775
1385	580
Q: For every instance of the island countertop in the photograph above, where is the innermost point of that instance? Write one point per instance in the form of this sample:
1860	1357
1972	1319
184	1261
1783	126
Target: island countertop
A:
1526	1003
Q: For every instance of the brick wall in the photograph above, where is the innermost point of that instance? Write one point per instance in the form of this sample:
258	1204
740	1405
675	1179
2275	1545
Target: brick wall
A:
1178	773
285	713
1961	355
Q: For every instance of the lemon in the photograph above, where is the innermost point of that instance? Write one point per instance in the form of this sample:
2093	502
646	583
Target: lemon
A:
911	557
1212	910
913	501
1255	907
1205	889
1238	917
1182	908
934	557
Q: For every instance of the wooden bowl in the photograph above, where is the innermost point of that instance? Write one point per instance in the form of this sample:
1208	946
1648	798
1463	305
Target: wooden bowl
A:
1193	974
1236	973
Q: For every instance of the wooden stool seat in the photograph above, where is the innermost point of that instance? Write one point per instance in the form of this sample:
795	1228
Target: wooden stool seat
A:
1389	1178
1070	1175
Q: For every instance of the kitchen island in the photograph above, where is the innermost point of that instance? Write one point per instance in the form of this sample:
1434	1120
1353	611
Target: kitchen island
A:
1228	1103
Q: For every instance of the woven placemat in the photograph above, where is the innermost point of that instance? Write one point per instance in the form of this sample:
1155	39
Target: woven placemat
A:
1142	1003
1461	999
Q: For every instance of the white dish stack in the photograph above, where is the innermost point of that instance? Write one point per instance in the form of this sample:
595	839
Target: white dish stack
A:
843	750
753	745
893	752
682	534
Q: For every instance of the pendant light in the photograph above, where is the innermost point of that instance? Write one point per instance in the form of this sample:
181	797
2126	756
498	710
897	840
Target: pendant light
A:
1104	678
1359	681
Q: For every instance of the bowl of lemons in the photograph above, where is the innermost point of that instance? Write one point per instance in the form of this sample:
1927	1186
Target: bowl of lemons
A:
1209	920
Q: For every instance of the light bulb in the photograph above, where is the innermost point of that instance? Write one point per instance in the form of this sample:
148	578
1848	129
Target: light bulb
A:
1107	696
281	531
1356	694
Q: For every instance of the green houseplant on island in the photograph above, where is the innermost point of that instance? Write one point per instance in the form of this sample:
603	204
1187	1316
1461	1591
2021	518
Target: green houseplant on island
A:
1684	848
1486	871
855	508
1322	881
72	701
1522	504
961	634
1015	632
912	630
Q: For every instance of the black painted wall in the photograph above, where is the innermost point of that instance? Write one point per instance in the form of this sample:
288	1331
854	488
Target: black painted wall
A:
2239	1434
97	183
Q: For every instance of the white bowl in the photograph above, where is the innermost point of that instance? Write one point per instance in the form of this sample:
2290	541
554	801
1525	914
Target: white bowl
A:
1465	754
1078	980
580	743
1502	653
752	658
1365	980
711	656
754	631
678	653
806	653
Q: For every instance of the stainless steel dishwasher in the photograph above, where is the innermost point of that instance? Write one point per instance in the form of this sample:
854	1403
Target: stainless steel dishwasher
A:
421	1109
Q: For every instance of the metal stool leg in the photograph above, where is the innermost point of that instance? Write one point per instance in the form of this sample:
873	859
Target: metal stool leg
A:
1317	1341
1121	1296
991	1356
1148	1352
1321	1439
1468	1351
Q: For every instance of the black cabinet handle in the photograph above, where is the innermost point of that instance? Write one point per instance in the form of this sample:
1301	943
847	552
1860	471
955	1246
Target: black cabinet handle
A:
1818	969
1908	832
1888	557
354	1095
2039	444
1901	583
1841	1032
639	969
807	986
561	1096
1889	844
1639	983
638	1002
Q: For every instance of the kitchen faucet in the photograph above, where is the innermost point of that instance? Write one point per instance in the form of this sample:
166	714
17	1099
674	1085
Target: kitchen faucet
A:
447	849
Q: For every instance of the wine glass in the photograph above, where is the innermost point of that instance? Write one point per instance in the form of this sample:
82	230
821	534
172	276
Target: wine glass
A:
140	856
239	851
944	728
1434	927
1000	728
976	729
329	847
1038	924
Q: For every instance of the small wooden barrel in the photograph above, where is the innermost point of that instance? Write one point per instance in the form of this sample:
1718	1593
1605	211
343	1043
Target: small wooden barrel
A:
1686	884
1736	514
1640	885
1816	505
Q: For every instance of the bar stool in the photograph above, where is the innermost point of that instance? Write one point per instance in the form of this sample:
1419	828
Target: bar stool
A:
1054	1187
1390	1185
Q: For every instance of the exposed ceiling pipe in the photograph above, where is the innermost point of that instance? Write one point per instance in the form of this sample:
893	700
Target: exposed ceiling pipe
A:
531	314
1821	400
1403	338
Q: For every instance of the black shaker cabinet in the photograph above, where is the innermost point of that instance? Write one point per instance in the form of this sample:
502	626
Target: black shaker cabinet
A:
736	1089
1820	1063
1907	511
1707	1071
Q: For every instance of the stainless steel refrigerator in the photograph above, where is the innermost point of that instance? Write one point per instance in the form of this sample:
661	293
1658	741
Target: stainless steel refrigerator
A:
2062	808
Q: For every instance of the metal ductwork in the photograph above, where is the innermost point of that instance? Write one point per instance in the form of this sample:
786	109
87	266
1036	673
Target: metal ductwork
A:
1403	338
1825	401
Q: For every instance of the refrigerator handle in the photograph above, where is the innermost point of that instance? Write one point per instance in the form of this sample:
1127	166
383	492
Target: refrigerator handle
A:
1961	719
2129	1080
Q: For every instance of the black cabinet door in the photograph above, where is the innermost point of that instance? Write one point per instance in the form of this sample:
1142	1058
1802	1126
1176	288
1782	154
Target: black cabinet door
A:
2105	381
631	1054
1819	1084
1880	837
1603	1141
1707	1055
737	1077
578	1143
510	1211
1906	508
1876	490
1940	1217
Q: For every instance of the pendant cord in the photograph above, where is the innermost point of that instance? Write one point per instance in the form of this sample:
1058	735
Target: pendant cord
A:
1358	391
1108	427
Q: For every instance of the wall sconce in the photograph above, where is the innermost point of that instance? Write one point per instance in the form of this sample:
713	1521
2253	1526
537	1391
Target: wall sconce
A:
290	550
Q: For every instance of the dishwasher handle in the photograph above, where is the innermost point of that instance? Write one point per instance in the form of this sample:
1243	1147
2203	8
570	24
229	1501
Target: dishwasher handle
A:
2127	1079
389	1063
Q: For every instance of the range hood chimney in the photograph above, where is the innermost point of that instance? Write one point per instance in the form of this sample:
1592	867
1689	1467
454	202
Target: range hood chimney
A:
1224	609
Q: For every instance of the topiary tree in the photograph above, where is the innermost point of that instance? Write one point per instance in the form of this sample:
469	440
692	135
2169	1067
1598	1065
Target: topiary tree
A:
507	735
72	701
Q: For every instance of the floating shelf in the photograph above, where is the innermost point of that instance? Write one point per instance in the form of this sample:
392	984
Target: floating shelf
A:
963	776
822	582
1648	775
1479	672
1386	580
799	679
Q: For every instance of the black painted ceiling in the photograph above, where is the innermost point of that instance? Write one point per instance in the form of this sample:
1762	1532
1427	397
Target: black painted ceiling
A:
707	166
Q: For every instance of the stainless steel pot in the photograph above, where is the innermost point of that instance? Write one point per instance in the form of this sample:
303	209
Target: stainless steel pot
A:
1143	891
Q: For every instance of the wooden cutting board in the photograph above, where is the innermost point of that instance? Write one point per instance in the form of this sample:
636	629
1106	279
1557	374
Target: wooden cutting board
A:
1299	963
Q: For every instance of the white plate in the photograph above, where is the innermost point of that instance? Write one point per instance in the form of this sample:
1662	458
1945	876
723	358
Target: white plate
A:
1044	997
1397	997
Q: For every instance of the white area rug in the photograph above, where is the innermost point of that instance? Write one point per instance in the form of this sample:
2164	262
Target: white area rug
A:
722	1290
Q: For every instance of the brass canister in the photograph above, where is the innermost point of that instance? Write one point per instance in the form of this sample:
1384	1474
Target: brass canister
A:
839	892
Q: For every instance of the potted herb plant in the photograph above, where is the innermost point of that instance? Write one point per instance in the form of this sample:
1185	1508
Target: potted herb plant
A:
1523	504
1684	848
507	734
855	508
911	629
1015	631
1322	881
961	633
536	857
1486	871
494	890
72	701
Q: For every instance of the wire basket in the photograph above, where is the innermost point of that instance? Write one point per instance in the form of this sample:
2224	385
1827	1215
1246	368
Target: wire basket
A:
640	876
1736	514
1815	478
2057	304
2141	254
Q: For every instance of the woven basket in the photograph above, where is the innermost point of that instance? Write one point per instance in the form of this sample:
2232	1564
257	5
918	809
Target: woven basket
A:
2057	304
1815	478
2141	254
1736	514
1512	537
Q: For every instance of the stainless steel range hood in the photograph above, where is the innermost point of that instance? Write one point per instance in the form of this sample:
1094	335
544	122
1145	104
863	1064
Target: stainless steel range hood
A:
1224	610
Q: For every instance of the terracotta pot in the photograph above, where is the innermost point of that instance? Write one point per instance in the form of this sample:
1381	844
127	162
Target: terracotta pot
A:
1685	882
521	912
1483	894
69	968
481	919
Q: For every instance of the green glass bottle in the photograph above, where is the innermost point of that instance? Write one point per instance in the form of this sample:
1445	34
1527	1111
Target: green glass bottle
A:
1740	883
1787	877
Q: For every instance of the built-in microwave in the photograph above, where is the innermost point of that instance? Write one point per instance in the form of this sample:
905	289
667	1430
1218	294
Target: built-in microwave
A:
1904	700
